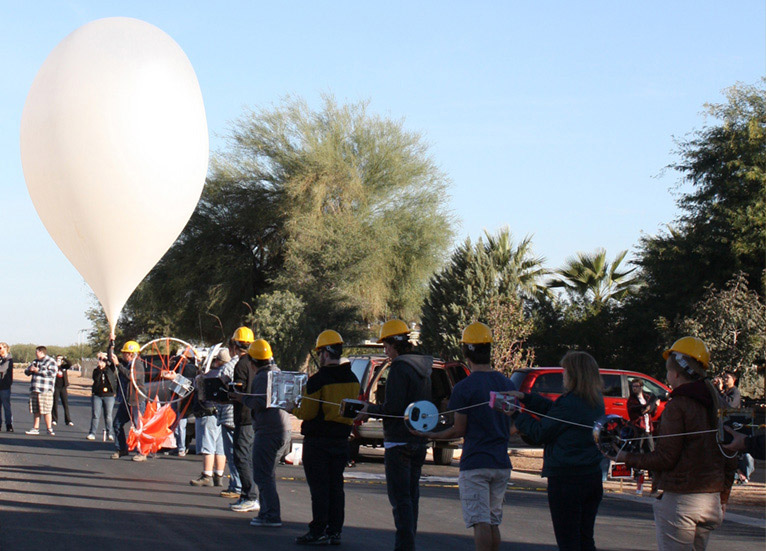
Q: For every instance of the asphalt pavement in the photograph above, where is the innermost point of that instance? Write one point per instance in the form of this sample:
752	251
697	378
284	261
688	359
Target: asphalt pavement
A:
64	493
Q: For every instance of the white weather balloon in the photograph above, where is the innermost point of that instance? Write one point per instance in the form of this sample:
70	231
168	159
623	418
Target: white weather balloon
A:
114	146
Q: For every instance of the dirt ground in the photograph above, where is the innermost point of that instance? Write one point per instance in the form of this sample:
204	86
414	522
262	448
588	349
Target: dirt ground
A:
528	460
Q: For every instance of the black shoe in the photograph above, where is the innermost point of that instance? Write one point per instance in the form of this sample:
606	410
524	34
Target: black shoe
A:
9	428
217	480
334	538
313	539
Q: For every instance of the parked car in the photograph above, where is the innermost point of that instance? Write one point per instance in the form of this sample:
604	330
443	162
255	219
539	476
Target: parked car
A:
372	372
549	382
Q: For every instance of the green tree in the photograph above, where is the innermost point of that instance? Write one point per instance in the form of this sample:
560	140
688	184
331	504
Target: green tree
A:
589	277
340	213
479	276
721	230
732	323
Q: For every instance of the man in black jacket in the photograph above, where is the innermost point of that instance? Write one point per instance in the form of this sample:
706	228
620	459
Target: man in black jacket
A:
244	434
409	380
60	390
6	380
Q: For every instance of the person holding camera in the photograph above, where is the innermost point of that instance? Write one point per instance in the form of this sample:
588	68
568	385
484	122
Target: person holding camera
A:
60	391
102	396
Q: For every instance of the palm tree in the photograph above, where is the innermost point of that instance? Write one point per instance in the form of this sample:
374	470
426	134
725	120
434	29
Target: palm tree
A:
517	270
591	277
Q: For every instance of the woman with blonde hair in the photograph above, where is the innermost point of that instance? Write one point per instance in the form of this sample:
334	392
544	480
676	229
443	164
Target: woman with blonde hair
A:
571	461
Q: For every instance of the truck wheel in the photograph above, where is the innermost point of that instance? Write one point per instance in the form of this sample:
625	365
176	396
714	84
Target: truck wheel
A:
443	456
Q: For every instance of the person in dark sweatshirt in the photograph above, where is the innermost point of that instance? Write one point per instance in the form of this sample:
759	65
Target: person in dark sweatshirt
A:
102	397
271	438
409	380
571	460
6	380
325	439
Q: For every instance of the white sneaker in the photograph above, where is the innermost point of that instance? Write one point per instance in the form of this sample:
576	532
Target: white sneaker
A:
245	505
110	438
90	437
53	423
32	431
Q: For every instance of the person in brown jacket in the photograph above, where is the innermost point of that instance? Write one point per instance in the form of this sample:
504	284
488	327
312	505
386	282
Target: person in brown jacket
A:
690	468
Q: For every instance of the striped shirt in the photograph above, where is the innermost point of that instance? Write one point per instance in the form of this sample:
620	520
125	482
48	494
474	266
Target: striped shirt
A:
43	380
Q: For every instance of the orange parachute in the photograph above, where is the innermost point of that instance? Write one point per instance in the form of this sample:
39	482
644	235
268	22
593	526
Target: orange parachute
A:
153	429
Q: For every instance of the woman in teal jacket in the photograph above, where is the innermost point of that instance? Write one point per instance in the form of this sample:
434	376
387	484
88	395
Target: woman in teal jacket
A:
571	460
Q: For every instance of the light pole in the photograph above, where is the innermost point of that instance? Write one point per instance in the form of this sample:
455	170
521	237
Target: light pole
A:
79	345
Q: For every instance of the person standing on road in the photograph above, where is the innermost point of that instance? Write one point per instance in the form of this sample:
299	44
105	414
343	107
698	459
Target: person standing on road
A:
102	396
6	380
571	460
325	439
485	467
60	391
43	371
130	394
641	407
244	434
226	422
409	380
208	432
272	431
690	468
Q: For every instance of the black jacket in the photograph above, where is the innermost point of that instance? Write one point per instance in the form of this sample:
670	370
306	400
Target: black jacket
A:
6	372
409	380
104	381
244	374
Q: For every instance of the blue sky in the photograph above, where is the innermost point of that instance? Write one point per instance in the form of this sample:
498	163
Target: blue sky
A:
554	119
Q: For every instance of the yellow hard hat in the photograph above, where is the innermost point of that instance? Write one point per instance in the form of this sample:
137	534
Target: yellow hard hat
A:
131	347
260	350
477	333
328	337
393	328
244	334
692	347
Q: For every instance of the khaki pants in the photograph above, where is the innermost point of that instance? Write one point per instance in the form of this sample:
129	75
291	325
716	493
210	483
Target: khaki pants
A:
685	521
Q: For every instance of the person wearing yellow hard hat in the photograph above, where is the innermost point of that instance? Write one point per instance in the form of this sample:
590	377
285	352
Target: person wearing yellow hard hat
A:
409	380
691	469
242	377
129	399
485	467
325	438
271	438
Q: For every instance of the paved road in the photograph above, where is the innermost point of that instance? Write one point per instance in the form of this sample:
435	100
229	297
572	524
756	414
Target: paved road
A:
64	493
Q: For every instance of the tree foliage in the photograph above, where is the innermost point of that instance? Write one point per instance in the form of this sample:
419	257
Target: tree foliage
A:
337	212
732	322
590	278
480	276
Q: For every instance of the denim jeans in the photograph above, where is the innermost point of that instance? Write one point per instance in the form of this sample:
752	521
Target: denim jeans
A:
324	460
180	434
243	460
403	467
5	400
228	450
267	450
573	502
97	405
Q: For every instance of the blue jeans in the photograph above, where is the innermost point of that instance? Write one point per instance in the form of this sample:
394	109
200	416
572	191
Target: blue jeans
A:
180	434
97	405
5	400
403	467
574	501
228	450
267	450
